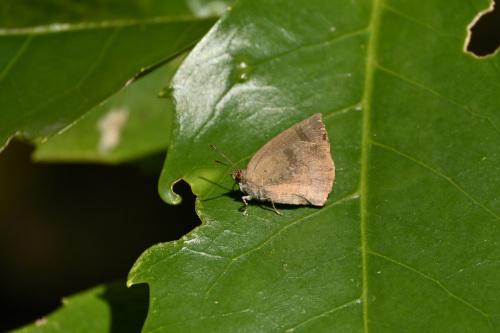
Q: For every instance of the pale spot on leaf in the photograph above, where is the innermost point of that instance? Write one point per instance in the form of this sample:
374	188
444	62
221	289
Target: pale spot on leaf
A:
111	126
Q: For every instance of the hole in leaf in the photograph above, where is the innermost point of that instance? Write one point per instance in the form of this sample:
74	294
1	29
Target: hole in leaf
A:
186	216
483	38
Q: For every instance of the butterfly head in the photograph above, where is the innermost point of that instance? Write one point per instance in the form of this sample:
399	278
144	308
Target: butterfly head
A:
238	175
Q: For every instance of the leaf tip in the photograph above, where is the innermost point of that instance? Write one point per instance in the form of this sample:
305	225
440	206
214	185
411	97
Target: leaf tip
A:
167	192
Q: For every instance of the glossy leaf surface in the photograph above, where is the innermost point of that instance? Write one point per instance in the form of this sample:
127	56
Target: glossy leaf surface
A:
408	240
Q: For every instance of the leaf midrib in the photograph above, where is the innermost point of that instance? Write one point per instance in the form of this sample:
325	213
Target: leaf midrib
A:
373	28
102	24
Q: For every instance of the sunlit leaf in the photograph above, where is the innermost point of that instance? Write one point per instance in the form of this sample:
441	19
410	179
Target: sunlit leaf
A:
408	240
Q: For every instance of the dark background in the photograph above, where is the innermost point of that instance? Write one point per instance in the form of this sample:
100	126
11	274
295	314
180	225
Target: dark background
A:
67	227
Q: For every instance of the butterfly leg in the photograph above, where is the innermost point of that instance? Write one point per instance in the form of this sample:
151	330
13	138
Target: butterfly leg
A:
245	198
272	202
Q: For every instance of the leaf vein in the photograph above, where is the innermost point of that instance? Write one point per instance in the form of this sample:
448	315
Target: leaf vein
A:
374	27
340	307
65	27
300	48
349	108
99	58
440	174
16	57
74	89
436	281
437	94
209	290
412	19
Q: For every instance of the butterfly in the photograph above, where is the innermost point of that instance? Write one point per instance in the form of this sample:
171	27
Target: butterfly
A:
295	167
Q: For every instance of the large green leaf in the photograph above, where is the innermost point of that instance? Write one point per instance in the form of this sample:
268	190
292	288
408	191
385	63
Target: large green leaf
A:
408	240
129	125
29	13
111	308
52	75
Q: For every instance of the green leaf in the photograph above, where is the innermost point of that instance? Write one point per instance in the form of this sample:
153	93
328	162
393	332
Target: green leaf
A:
110	308
408	240
51	76
131	124
28	13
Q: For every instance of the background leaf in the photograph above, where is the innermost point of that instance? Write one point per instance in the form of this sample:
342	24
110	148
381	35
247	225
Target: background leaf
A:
133	123
408	239
111	308
26	13
50	76
53	49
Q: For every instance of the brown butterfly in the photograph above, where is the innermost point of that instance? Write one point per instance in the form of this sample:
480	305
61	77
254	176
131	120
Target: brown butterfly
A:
295	167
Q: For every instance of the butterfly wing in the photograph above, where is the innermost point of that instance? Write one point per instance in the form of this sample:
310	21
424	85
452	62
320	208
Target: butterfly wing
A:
295	167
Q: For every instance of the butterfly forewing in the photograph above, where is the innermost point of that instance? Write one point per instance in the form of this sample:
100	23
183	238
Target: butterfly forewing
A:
295	166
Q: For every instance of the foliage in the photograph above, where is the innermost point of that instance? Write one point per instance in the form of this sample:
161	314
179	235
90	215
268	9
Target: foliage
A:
408	239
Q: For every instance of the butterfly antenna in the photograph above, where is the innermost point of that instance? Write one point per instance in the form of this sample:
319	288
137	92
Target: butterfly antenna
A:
232	165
